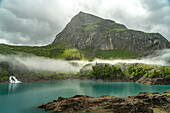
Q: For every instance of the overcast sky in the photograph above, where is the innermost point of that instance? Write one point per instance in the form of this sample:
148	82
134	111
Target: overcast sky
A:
37	22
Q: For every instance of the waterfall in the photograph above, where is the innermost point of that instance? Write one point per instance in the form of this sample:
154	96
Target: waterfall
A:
13	79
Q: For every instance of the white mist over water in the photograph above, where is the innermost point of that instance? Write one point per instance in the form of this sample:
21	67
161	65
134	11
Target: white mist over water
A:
36	63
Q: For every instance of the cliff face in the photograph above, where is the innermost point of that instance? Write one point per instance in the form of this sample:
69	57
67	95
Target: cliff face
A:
86	31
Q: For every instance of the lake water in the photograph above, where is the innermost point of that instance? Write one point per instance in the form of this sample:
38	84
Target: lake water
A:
23	97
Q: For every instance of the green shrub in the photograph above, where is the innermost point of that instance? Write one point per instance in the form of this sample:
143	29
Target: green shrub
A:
150	95
167	76
144	70
105	70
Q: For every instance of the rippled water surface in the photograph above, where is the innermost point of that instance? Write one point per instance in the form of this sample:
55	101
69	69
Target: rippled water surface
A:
23	97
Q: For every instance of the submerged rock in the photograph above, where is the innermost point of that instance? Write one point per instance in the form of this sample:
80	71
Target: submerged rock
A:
144	102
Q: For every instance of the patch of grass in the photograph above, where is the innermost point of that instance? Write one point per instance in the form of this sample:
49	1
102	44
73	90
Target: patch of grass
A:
152	71
159	95
145	34
88	54
109	54
150	95
115	29
167	76
80	27
60	50
168	94
92	27
117	54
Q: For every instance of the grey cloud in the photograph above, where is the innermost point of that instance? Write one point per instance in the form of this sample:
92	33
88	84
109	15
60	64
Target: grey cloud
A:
32	22
29	23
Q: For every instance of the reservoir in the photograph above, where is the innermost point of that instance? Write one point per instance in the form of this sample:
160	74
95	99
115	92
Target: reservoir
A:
24	97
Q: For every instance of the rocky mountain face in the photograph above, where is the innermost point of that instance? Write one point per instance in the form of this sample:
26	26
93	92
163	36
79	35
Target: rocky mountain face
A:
86	31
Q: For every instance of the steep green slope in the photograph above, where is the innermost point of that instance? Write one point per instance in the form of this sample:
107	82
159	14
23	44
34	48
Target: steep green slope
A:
110	54
65	50
62	50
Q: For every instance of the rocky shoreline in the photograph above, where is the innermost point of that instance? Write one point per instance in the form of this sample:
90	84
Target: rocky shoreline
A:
144	102
36	79
142	80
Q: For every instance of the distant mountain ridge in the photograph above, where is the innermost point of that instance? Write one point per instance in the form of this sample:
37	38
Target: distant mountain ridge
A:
86	31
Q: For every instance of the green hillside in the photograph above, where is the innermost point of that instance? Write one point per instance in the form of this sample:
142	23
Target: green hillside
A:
110	54
61	50
65	50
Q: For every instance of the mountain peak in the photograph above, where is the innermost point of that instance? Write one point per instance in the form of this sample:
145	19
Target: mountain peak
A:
87	31
83	17
81	12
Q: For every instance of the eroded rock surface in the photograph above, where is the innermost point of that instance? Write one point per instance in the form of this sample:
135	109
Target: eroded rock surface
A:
88	31
142	103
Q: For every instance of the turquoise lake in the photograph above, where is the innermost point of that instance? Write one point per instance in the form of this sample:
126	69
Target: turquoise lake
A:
23	97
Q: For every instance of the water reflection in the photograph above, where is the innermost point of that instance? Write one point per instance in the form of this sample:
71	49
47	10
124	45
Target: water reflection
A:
91	88
119	89
12	87
20	98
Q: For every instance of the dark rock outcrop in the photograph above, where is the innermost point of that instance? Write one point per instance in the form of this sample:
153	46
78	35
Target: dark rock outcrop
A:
142	103
88	31
154	81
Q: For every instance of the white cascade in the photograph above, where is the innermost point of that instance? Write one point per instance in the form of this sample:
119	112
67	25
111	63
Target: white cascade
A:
13	79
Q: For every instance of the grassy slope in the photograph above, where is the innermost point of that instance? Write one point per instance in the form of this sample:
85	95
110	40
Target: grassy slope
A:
106	27
64	50
109	54
61	50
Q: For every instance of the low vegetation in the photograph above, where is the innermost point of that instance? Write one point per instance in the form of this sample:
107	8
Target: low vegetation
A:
131	70
152	71
61	50
115	30
105	71
90	54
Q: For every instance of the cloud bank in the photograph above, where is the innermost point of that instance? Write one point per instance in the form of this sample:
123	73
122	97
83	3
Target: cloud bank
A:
36	22
162	57
41	64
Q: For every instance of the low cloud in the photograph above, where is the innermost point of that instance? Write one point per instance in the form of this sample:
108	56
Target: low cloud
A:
161	57
41	64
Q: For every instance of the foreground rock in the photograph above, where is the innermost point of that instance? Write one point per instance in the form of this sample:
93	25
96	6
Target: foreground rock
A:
142	103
